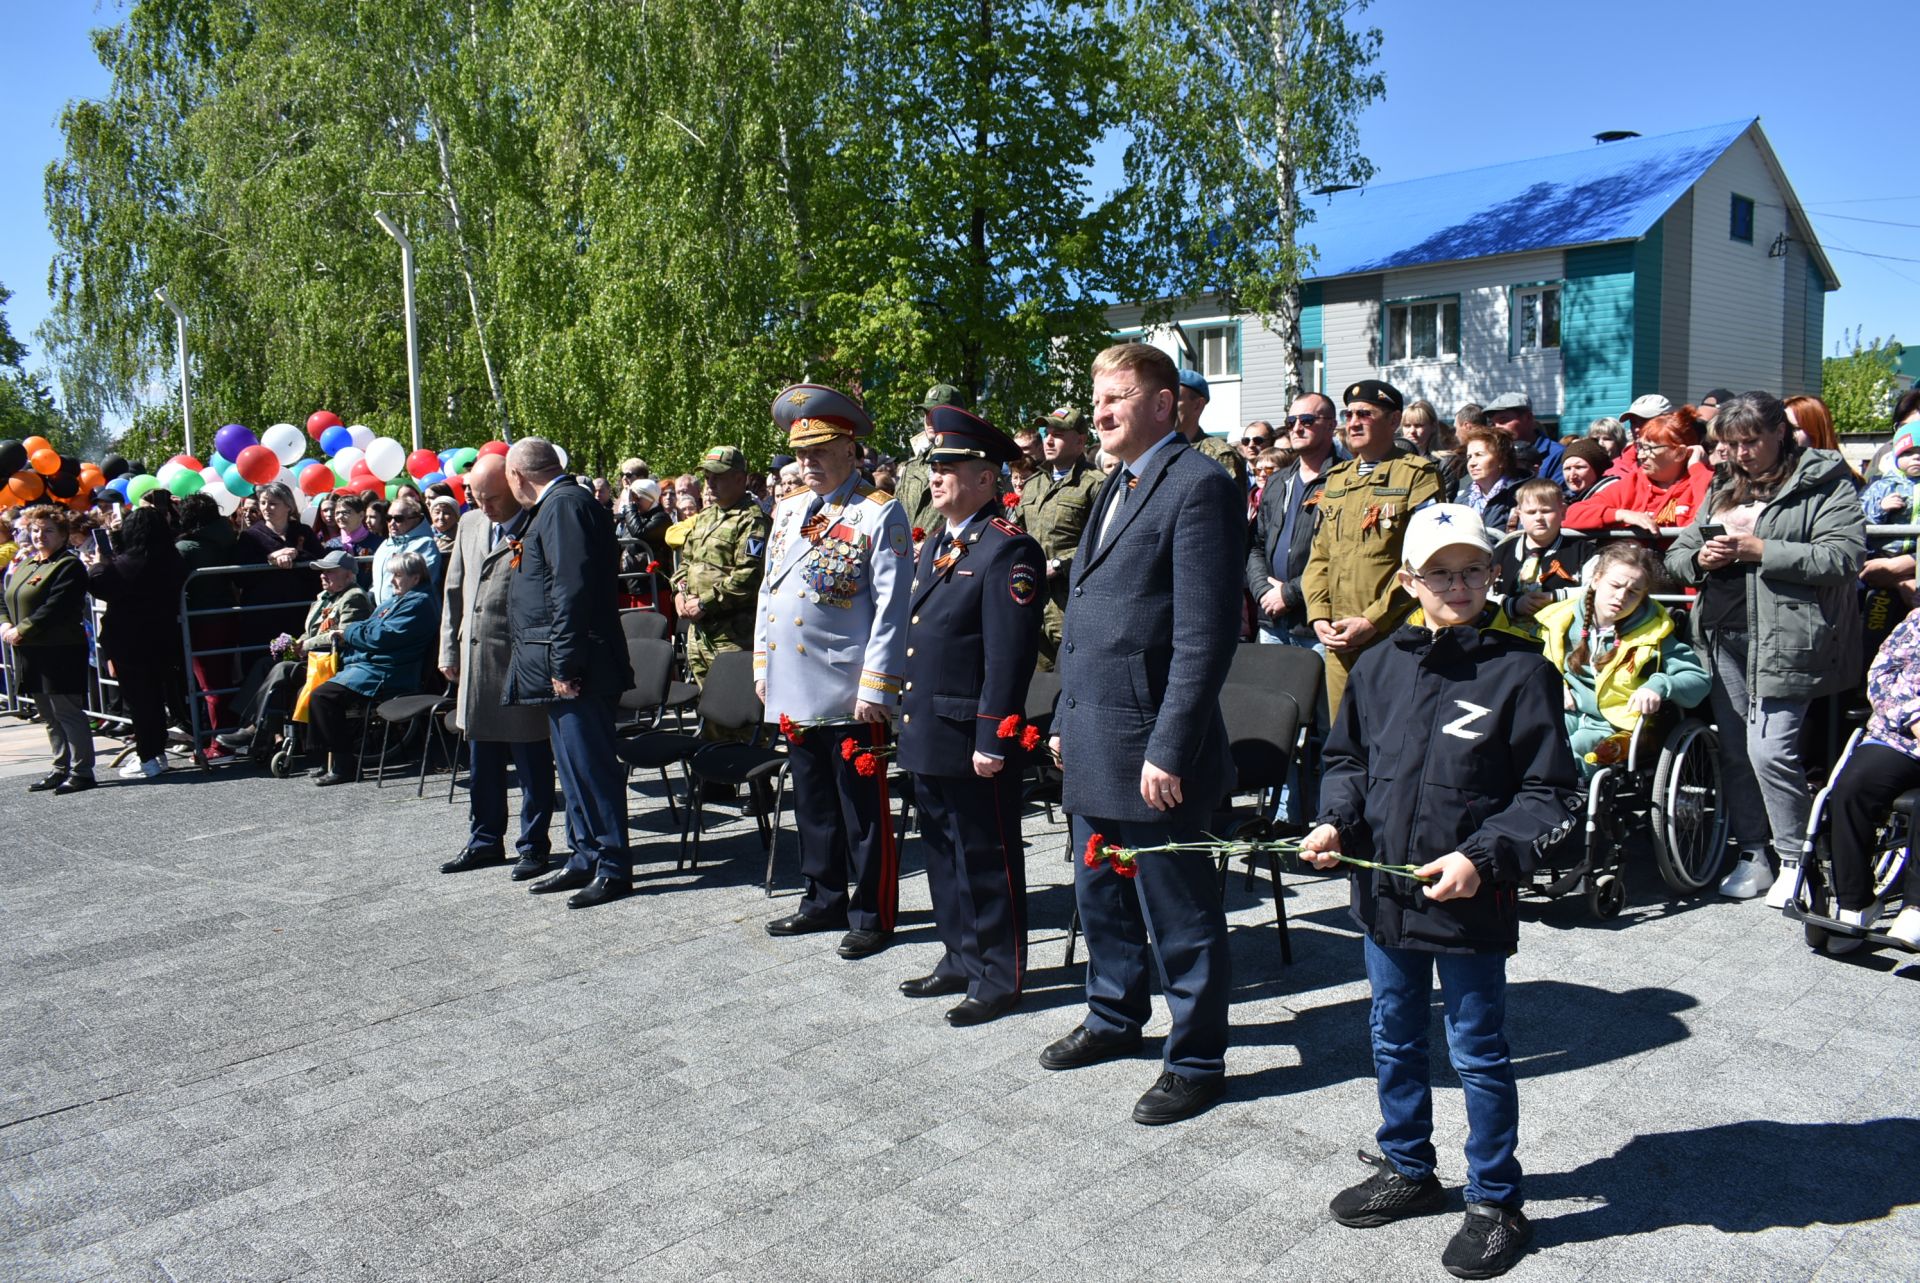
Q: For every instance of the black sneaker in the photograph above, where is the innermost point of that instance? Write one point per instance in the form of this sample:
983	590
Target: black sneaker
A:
1487	1243
1386	1196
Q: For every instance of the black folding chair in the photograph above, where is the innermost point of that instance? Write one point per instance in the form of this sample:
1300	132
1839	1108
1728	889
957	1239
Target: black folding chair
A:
639	711
404	711
641	624
728	701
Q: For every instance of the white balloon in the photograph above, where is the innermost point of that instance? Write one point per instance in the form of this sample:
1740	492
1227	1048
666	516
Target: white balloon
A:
309	508
562	452
386	457
362	435
287	442
224	499
349	455
168	471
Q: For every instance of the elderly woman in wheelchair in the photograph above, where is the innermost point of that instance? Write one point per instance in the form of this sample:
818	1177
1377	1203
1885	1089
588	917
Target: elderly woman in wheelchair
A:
1859	856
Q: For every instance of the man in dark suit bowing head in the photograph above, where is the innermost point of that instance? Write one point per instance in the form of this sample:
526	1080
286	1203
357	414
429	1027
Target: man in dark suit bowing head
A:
977	601
563	609
1152	618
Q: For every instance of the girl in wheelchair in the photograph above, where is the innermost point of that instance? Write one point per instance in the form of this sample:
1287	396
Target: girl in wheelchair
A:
1882	766
1620	653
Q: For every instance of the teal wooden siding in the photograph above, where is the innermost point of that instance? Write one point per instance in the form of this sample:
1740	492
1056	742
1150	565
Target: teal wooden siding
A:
1310	331
1598	337
1648	261
1814	338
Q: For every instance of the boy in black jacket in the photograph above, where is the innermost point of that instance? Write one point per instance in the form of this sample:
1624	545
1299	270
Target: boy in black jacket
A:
1449	753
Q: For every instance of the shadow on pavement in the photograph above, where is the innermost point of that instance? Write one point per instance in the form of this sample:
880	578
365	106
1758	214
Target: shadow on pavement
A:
1739	1178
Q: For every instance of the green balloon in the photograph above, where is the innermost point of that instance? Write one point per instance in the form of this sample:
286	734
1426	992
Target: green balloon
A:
462	460
138	487
186	482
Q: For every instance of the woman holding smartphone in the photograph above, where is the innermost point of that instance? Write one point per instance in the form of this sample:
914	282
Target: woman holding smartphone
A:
1774	555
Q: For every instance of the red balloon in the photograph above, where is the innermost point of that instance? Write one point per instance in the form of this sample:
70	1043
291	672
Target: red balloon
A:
188	461
369	484
319	421
459	489
316	480
493	447
257	464
45	462
421	462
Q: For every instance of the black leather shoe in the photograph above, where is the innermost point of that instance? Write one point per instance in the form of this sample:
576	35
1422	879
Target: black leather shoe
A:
52	781
242	738
864	944
933	986
75	784
801	924
529	866
1174	1098
599	891
327	779
1084	1047
972	1011
471	859
565	880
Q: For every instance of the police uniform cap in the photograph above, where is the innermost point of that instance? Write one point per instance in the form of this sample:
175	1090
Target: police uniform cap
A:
1374	392
960	434
1067	418
813	415
723	458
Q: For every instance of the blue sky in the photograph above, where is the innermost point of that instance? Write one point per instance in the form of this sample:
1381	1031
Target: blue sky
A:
1468	84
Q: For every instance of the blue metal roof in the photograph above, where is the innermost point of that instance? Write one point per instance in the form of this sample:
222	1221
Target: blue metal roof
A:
1607	192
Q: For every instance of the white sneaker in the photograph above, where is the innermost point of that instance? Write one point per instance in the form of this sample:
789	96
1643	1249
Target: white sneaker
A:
1861	918
132	770
1749	877
1906	927
1784	886
151	767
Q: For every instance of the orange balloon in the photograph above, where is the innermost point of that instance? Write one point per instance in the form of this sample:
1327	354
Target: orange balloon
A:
34	445
91	478
45	462
82	501
24	487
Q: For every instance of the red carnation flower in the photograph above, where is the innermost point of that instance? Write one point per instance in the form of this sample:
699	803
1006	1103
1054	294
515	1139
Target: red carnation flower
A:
847	749
1009	726
1093	856
791	729
1010	500
1030	738
653	567
918	534
1127	870
866	763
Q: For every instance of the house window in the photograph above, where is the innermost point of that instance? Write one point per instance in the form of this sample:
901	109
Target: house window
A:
1536	318
1313	370
1741	224
1218	347
1424	330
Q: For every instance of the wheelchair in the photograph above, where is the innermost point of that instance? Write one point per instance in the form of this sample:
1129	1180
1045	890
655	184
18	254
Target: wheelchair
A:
1811	902
1667	785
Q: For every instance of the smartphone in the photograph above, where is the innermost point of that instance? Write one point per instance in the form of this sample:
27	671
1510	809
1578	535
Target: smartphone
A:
1712	530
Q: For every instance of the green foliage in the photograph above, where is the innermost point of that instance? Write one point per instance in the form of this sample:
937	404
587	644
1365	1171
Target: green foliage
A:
634	223
1859	388
27	405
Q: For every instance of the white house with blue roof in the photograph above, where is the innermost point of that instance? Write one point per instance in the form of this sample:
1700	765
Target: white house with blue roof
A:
1671	265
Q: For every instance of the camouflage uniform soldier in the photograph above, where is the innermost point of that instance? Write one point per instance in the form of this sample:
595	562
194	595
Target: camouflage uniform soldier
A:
721	563
1193	397
912	491
1053	509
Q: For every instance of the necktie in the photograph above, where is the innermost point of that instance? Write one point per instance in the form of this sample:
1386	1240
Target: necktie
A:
494	532
945	553
814	525
1124	480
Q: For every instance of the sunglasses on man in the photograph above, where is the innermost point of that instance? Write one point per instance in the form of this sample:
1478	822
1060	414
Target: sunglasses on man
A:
1304	420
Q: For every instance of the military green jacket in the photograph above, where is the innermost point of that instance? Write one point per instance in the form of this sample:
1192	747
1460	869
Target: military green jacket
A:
913	491
722	560
1226	456
1055	512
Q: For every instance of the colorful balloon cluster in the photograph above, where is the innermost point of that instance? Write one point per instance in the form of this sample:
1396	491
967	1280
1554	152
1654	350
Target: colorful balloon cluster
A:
356	460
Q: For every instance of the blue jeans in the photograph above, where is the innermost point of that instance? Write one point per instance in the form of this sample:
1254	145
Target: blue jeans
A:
1474	990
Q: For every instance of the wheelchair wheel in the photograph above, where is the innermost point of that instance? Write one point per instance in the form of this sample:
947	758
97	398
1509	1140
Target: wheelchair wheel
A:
1606	896
1689	821
280	764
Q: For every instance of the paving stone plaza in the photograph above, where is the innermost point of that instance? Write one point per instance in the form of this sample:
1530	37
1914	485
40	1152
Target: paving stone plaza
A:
250	1033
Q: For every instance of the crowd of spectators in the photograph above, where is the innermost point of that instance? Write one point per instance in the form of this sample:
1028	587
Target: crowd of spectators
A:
1745	503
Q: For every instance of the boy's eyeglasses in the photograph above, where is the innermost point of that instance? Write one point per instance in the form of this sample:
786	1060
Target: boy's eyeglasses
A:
1473	578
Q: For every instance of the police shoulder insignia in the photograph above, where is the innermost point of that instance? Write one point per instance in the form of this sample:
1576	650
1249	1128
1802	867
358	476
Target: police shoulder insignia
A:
900	541
1023	583
1006	527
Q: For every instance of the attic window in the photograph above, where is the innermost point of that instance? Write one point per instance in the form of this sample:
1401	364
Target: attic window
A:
1741	225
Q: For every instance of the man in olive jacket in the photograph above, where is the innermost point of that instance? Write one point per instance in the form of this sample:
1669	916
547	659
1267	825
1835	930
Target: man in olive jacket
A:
476	646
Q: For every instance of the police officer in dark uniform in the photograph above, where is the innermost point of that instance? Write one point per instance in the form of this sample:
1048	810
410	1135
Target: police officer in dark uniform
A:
978	595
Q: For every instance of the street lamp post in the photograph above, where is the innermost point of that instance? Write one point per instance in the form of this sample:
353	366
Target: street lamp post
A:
180	350
413	333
